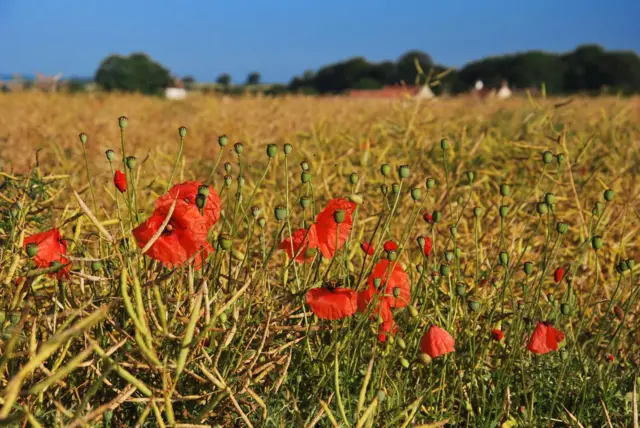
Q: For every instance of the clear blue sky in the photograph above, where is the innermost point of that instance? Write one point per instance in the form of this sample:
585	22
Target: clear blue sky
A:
281	38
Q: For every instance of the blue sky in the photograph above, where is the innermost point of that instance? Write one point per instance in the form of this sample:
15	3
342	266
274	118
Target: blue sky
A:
281	38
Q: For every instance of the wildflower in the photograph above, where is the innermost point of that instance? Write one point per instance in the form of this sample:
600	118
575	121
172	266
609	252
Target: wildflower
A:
332	235
367	248
390	246
610	358
187	192
437	342
428	246
120	180
51	249
300	240
397	279
497	334
387	326
182	238
544	339
558	275
331	303
428	217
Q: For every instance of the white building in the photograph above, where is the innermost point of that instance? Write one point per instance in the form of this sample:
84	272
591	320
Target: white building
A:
504	91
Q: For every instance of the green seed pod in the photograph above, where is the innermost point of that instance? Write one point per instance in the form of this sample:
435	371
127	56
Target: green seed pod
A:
421	240
381	395
396	292
470	176
416	194
596	242
542	208
131	162
404	171
448	256
111	155
504	210
431	183
305	177
608	195
552	207
224	317
562	228
227	167
304	165
477	212
401	342
32	249
404	363
551	297
413	311
622	266
560	159
547	157
598	207
461	290
385	169
445	270
288	148
377	282
424	359
203	190
384	189
528	268
444	144
262	222
272	151
395	188
237	147
356	199
55	265
96	266
457	252
240	181
565	309
182	131
225	242
436	216
474	305
549	198
83	138
353	178
631	263
305	202
200	200
504	258
227	180
453	230
123	122
339	216
505	190
392	255
223	140
280	212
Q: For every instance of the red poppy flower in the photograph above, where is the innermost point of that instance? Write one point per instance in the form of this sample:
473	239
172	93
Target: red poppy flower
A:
51	248
332	303
497	335
428	217
182	238
558	275
120	180
397	279
428	246
544	339
300	240
331	235
390	245
610	358
367	248
187	192
387	326
436	342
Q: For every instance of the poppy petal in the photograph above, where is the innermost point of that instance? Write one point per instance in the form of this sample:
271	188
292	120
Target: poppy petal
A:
332	304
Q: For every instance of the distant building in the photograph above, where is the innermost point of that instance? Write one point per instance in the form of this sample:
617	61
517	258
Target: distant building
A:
177	91
504	91
394	91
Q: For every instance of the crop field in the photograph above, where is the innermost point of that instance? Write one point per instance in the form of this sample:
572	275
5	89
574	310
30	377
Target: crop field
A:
312	261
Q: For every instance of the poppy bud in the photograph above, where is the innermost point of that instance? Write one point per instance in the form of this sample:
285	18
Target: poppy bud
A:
404	171
416	194
542	208
457	252
381	395
123	122
304	165
454	231
223	140
596	242
444	144
83	138
505	190
598	207
431	183
504	210
547	157
419	268
448	255
461	290
619	312
237	147
96	266
424	359
549	198
339	216
261	222
551	297
203	189
353	178
608	195
200	200
227	167
558	274
395	188
56	264
131	162
396	292
305	202
622	266
504	258
182	131
224	317
120	181
477	212
413	311
470	176
384	189
562	228
227	180
445	270
356	199
111	155
404	363
401	342
392	255
421	241
560	158
437	216
225	242
385	169
32	249
280	212
565	309
305	176
377	282
474	306
240	181
631	263
528	268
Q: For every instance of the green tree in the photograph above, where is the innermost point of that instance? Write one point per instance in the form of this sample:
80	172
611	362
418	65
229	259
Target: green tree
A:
406	66
134	73
224	79
253	78
189	82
